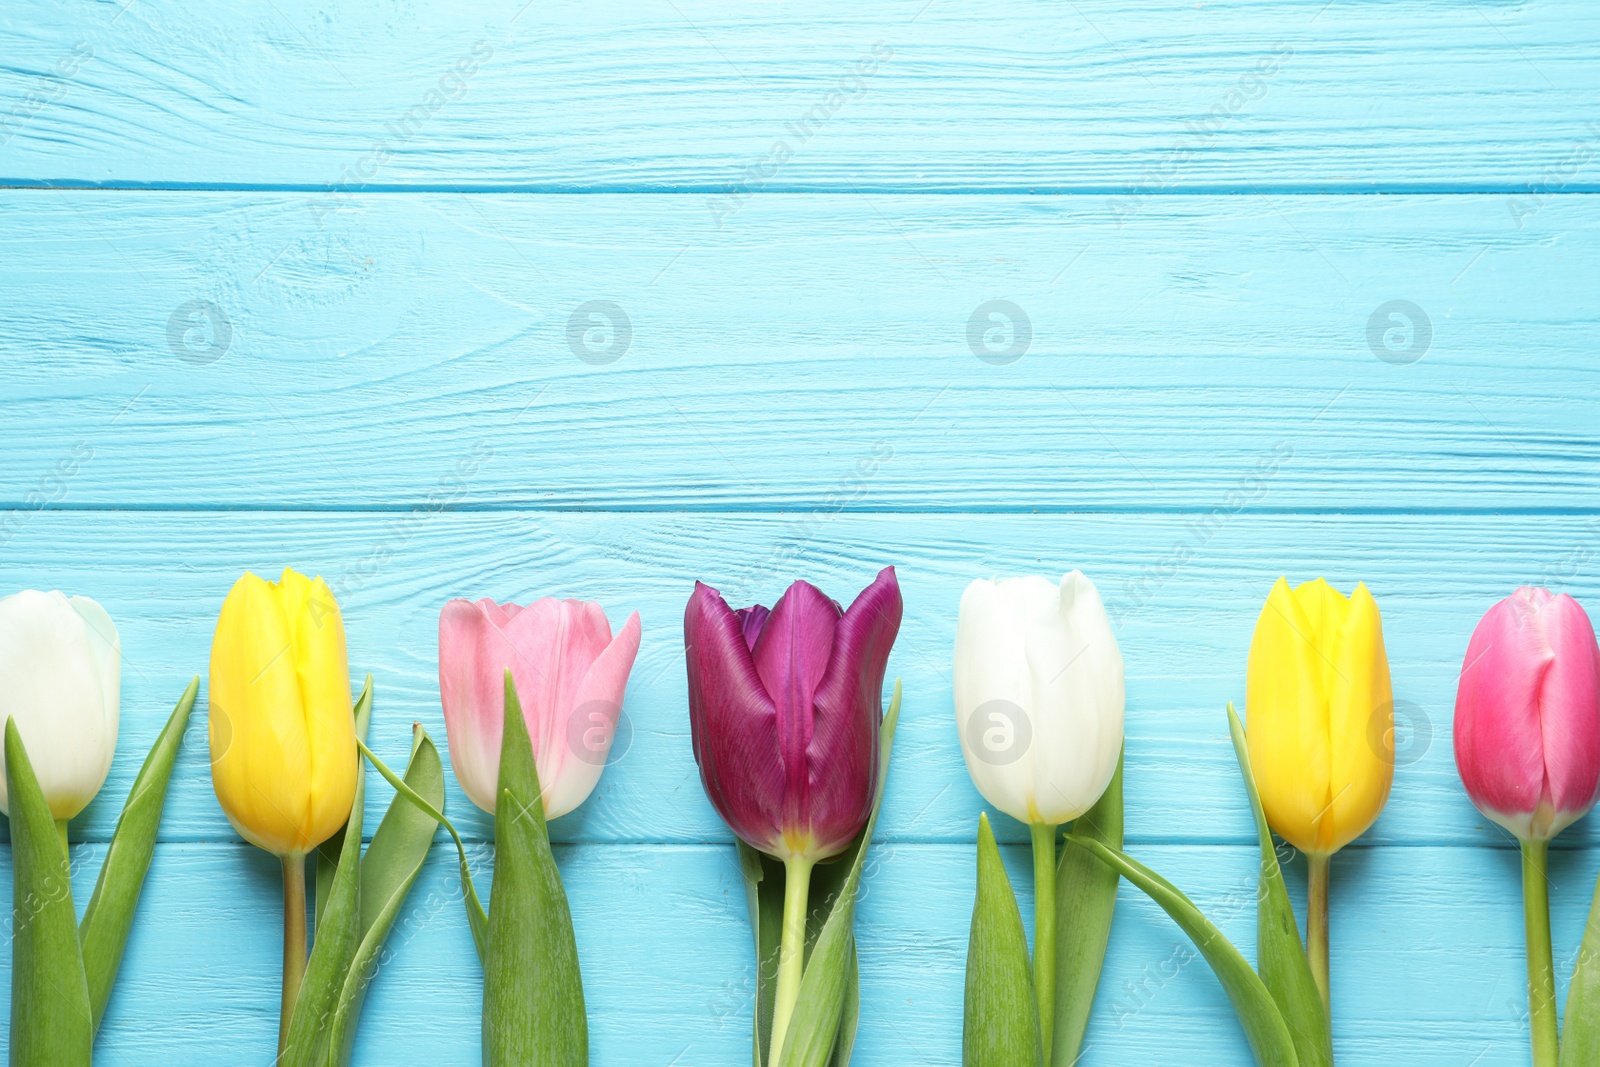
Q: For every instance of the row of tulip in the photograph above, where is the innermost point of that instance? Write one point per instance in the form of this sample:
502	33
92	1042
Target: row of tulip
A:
793	748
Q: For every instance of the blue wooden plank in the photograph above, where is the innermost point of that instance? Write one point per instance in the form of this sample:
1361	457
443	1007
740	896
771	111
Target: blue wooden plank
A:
1184	636
224	350
1426	967
1124	97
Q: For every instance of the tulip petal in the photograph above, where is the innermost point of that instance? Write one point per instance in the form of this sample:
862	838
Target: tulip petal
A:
470	689
1569	715
734	723
323	666
990	680
592	721
1360	722
1288	722
1499	742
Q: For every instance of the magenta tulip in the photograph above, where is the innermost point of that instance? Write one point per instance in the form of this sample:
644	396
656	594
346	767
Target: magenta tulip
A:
785	707
570	675
1527	728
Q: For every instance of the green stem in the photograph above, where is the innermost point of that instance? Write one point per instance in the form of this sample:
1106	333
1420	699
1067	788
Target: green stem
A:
61	828
1317	923
1044	927
1541	970
294	942
792	950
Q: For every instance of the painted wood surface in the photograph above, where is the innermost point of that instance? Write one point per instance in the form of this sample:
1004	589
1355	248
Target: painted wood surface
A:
1122	96
828	352
309	314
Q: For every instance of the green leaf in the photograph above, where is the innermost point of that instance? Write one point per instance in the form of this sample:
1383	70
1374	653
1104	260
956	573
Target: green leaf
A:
109	917
1285	971
329	851
1580	1031
338	931
477	918
51	1023
763	889
1086	897
1000	1022
391	865
533	1014
820	1011
1257	1011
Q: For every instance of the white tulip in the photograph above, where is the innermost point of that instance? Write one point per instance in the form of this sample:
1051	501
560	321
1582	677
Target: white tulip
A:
61	680
1039	695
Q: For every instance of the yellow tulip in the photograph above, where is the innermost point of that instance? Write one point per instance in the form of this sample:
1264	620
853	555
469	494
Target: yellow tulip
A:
1320	714
283	743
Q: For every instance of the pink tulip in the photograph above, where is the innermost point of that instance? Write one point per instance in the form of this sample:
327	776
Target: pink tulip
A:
1527	728
570	675
784	707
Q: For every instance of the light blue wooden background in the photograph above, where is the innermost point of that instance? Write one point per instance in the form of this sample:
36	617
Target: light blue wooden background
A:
267	301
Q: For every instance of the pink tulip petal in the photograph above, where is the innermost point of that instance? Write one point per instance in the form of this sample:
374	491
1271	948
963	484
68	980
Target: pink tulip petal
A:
603	687
469	690
1571	715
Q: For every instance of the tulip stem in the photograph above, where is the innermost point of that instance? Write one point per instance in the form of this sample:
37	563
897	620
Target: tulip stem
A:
1317	923
792	950
1541	970
294	942
61	828
1044	928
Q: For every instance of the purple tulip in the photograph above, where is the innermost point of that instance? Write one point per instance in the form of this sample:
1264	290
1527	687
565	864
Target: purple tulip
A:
785	707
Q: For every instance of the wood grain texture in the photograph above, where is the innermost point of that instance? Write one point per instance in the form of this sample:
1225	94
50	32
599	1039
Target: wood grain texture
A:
1184	636
1126	97
416	350
1431	975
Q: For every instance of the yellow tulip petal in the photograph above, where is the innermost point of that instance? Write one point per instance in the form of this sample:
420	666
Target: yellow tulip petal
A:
1361	722
1287	732
259	750
324	670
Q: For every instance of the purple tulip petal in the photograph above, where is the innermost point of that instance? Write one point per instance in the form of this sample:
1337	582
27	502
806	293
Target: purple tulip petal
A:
752	619
733	722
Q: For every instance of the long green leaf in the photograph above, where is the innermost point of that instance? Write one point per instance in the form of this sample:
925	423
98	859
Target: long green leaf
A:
1258	1013
328	853
477	918
51	1024
763	889
337	932
1580	1030
1086	898
533	1014
109	917
820	1010
1285	971
1000	1022
391	865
